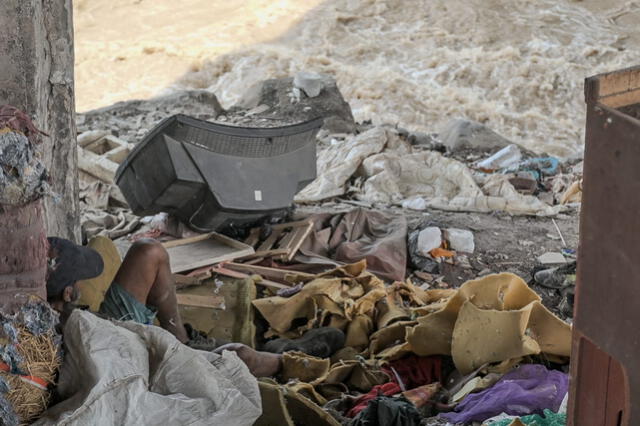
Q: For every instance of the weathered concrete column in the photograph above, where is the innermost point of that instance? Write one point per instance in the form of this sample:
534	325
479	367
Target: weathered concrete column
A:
36	75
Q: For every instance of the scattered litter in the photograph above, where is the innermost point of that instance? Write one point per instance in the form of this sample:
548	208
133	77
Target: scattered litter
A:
564	243
429	239
310	83
552	258
460	240
416	203
502	159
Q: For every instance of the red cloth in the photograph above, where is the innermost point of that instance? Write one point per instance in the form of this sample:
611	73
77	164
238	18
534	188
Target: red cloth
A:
416	371
361	403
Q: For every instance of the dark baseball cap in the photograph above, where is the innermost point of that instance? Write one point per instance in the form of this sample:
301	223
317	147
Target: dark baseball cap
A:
68	263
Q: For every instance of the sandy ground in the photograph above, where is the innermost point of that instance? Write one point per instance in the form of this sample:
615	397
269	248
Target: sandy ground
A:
132	49
516	65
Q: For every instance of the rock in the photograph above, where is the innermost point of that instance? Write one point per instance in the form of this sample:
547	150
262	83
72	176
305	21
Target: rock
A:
459	134
552	258
309	82
417	203
460	240
125	119
288	104
428	239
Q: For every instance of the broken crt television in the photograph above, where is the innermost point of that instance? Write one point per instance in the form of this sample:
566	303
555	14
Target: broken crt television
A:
214	176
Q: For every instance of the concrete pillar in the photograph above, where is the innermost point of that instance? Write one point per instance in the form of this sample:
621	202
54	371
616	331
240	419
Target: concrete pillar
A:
36	75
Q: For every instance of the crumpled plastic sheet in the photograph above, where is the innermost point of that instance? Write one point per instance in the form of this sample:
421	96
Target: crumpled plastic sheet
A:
124	373
337	164
445	184
529	389
393	171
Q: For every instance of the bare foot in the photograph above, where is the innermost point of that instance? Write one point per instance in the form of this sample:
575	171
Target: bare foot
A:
260	364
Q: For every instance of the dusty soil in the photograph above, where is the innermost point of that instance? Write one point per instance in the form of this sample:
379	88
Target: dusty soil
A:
503	243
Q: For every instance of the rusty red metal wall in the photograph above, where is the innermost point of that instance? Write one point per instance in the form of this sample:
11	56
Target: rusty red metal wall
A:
23	254
605	385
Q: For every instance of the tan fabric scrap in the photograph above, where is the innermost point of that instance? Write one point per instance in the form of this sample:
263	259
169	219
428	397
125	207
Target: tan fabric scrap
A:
307	390
482	335
490	319
358	331
303	367
276	412
345	292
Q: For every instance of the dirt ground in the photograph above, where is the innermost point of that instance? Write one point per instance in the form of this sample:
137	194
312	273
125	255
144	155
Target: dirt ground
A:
503	243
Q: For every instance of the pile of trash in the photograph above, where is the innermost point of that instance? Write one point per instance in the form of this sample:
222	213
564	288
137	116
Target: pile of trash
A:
360	342
407	327
466	167
469	354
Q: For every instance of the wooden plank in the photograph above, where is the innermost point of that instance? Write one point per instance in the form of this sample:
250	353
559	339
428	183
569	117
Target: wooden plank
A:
265	253
253	238
269	273
285	242
618	82
621	99
183	241
182	281
288	225
215	301
203	250
228	241
301	235
234	274
270	241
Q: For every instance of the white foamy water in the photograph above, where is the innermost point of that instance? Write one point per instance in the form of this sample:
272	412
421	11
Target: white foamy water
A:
516	65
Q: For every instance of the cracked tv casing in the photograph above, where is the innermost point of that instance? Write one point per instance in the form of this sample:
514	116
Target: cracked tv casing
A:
212	176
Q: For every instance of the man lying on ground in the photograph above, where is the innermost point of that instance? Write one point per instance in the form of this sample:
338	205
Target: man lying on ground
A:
142	290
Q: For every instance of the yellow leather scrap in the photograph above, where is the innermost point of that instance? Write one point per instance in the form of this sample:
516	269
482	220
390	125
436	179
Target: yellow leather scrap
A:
358	331
308	391
345	292
490	319
354	374
303	367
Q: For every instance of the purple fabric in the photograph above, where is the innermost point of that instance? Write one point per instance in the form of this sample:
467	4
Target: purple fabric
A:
526	390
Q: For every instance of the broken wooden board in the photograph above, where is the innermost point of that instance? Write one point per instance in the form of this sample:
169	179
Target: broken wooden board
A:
285	238
214	301
208	249
234	274
275	274
231	321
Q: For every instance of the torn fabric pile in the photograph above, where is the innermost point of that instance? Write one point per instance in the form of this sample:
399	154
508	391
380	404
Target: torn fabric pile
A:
392	172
